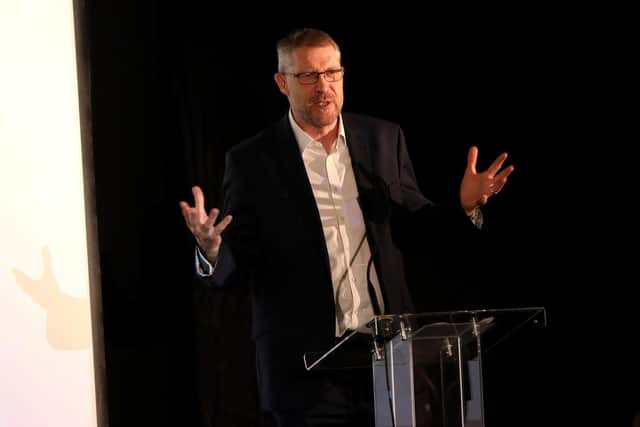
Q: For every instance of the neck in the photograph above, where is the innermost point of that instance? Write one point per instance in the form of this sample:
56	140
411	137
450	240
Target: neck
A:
327	140
326	135
321	133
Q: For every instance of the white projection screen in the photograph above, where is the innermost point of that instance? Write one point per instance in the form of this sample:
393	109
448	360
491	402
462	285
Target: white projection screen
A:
47	375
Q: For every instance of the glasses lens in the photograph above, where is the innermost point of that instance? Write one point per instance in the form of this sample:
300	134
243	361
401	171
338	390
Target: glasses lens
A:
308	78
312	77
333	75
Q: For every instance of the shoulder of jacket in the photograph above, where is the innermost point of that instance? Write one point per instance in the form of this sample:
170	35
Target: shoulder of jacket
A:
356	119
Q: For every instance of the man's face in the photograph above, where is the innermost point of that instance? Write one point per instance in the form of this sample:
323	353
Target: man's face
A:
318	104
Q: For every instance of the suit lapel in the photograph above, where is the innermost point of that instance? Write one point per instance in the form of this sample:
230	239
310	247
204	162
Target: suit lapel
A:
360	153
294	175
371	187
296	186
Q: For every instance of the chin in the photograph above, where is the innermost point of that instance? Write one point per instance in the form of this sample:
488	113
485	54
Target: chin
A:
325	118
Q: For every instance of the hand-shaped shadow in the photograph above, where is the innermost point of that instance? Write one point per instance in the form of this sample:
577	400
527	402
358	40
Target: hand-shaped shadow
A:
68	318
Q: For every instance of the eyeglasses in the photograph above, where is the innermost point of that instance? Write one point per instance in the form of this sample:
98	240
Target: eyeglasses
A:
312	77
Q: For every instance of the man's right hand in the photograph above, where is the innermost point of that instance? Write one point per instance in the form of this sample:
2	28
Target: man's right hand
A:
208	234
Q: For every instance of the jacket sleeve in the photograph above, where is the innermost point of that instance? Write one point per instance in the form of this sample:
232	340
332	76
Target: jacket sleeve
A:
416	220
239	239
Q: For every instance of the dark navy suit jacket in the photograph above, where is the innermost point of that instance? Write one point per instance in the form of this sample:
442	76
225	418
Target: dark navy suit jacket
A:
276	242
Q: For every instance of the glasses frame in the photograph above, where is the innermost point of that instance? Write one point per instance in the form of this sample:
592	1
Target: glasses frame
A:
316	75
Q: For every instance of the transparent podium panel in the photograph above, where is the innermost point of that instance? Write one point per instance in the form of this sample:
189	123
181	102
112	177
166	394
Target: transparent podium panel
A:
351	352
427	367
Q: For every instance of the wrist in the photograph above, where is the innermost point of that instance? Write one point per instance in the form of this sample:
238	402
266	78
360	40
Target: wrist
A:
472	212
210	255
475	215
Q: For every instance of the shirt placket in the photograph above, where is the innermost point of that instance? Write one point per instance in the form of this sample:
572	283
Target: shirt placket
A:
347	292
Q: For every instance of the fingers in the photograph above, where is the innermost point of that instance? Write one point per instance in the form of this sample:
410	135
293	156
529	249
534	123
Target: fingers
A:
201	225
213	216
497	164
190	215
211	219
198	197
222	225
209	239
184	208
500	180
502	176
194	215
209	226
472	159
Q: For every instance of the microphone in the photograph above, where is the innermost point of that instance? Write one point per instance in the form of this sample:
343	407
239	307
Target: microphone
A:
372	292
375	203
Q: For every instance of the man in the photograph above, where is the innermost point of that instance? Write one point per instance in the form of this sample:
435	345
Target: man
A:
310	205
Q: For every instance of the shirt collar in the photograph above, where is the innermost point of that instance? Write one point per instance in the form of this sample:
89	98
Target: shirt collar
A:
303	139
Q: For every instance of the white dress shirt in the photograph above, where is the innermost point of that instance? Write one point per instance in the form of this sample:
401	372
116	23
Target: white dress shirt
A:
334	188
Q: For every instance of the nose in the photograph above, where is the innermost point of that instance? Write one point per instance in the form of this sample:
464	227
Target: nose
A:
322	81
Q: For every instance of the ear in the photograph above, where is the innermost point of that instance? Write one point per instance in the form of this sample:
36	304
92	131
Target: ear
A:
281	81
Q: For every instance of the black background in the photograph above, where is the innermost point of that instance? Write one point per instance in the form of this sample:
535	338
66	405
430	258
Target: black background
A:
174	85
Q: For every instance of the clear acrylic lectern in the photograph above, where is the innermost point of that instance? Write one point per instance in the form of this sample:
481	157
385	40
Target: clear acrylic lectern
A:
427	367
